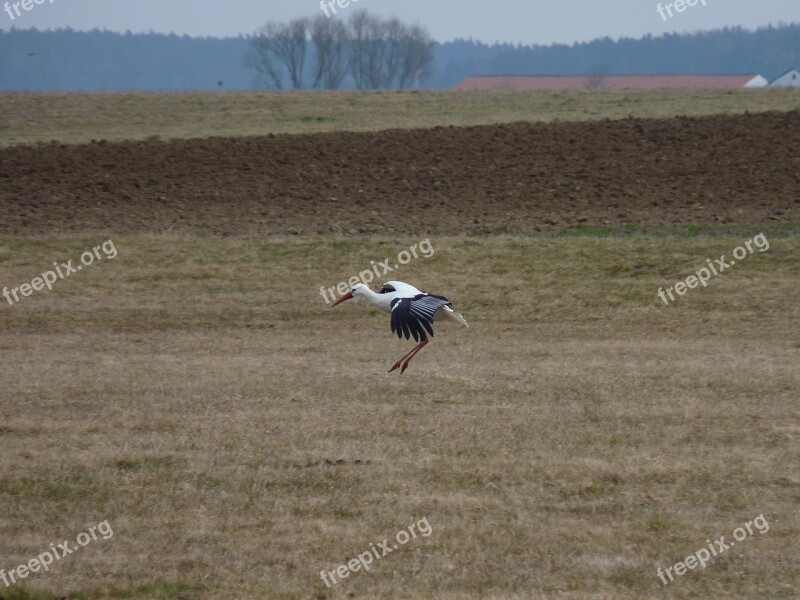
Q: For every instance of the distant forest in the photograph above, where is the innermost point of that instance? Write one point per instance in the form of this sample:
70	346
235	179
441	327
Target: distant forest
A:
101	60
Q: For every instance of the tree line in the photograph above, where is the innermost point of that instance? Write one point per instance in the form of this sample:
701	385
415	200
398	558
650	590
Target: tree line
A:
323	53
69	60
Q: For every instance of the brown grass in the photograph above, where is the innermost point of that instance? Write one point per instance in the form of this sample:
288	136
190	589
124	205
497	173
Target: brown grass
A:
78	118
240	437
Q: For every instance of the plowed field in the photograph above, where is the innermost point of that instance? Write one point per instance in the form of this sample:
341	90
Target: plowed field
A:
517	178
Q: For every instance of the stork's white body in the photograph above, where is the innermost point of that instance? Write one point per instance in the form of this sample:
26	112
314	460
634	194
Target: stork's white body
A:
402	290
413	312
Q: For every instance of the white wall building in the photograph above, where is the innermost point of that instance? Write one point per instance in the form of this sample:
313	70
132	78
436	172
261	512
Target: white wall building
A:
757	82
789	79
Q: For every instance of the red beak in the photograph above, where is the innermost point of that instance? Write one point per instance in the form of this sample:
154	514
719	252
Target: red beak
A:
347	296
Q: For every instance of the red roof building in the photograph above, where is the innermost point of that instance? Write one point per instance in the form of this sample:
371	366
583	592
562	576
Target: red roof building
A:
606	82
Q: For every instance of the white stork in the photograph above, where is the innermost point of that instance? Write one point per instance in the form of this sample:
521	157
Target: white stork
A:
413	312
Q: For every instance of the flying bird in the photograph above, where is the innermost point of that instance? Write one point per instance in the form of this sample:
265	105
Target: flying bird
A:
413	312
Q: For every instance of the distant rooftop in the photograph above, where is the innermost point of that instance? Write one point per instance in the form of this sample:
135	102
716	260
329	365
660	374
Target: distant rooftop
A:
609	82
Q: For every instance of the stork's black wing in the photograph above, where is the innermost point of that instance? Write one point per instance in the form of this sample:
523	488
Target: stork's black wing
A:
412	317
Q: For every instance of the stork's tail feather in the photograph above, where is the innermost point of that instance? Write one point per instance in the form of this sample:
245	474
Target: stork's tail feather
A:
455	316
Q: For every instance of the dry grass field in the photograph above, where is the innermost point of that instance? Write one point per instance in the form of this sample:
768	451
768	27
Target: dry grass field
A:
240	437
80	118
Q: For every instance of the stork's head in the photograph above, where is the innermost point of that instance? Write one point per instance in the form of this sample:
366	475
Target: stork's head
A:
356	291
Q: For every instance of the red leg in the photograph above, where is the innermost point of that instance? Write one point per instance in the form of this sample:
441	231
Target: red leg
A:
408	356
408	360
405	356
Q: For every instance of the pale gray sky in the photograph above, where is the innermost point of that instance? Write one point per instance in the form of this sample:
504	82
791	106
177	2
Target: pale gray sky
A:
525	21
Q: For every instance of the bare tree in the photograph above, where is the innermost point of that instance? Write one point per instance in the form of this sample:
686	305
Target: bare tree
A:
331	41
386	53
377	53
362	26
261	57
291	48
595	78
278	48
416	57
394	36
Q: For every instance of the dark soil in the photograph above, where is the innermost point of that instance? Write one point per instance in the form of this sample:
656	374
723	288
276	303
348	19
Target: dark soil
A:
517	178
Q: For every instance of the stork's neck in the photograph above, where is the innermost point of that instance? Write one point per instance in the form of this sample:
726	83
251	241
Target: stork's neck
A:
383	301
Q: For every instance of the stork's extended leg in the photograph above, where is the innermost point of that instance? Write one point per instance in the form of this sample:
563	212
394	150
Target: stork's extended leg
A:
407	358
